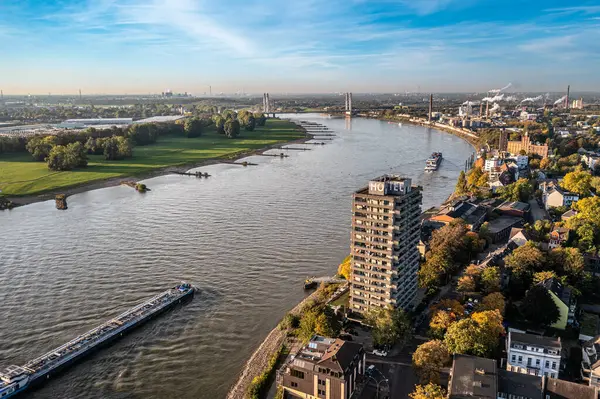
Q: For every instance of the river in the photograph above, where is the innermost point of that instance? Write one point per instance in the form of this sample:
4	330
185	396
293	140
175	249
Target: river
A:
246	237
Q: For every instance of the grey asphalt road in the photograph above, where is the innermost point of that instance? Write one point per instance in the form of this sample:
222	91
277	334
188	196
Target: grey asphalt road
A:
536	212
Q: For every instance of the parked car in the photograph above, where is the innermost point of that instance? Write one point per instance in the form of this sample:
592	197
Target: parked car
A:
378	352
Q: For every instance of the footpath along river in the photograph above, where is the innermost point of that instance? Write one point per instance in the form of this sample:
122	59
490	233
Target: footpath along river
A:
246	237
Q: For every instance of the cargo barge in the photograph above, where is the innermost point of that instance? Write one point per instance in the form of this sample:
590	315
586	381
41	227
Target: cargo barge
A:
16	379
433	163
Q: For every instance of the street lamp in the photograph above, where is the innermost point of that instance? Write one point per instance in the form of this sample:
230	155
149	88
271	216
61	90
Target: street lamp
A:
378	383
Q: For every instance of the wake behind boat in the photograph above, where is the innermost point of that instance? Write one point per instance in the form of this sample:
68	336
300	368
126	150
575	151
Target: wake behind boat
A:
433	163
15	379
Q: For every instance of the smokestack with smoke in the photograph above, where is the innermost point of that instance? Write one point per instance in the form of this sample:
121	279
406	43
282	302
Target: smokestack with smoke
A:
560	100
532	99
494	99
567	99
500	90
495	108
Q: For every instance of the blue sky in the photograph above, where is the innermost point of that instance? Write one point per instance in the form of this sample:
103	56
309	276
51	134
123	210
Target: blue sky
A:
142	46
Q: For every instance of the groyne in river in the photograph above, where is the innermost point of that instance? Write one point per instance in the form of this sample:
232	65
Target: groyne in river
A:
246	237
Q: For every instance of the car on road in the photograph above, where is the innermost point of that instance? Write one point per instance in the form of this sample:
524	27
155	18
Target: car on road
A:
378	352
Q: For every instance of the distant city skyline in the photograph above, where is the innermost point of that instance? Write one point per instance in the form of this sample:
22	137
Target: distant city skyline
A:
148	46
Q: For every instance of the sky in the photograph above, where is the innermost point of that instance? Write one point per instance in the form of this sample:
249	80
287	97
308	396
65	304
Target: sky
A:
297	46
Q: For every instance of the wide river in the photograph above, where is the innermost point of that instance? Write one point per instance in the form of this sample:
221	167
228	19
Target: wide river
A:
246	237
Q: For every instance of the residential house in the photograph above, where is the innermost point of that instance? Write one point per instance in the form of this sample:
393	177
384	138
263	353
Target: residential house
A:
568	215
558	237
519	236
500	228
324	368
473	215
554	196
565	302
522	161
590	361
533	354
491	163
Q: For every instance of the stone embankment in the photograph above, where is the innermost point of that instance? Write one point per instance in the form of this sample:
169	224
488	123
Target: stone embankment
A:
259	360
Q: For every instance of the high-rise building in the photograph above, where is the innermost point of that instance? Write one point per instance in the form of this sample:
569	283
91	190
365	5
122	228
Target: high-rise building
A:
385	234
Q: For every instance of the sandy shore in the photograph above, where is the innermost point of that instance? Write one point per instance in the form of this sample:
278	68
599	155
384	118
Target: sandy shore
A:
115	181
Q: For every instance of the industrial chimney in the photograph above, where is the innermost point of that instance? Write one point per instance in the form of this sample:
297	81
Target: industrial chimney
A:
430	106
567	100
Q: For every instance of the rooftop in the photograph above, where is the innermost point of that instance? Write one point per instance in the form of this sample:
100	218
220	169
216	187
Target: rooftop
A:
161	119
536	340
473	377
561	389
503	222
562	292
514	205
519	385
330	353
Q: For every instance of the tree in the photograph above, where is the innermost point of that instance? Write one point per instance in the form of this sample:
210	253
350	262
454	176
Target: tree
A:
588	211
539	308
474	177
493	301
466	284
543	276
450	305
193	127
327	323
567	261
67	157
250	123
260	119
344	268
461	184
475	336
520	190
232	128
440	321
429	391
39	147
308	323
578	182
219	123
434	268
429	358
389	326
545	163
525	260
116	147
490	279
289	322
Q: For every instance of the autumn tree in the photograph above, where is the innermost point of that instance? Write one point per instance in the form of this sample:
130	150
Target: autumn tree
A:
429	391
344	267
493	301
578	182
477	335
525	260
219	123
389	326
193	127
435	267
568	261
521	190
539	308
543	276
428	360
232	128
461	184
440	321
466	284
490	279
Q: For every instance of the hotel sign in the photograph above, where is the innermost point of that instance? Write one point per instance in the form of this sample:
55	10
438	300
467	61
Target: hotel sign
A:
389	187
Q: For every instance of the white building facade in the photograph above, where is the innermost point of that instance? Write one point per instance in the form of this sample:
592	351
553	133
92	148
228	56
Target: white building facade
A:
533	354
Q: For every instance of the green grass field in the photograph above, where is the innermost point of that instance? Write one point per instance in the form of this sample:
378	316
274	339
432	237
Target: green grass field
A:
20	175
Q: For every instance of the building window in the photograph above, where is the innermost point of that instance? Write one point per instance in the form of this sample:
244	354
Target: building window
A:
547	363
513	358
321	382
321	392
528	361
537	362
553	365
520	359
297	374
551	375
294	384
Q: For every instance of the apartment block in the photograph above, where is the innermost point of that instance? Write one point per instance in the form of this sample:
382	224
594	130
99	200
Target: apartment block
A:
385	235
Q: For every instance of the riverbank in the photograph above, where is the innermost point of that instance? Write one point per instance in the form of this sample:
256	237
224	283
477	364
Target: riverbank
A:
169	155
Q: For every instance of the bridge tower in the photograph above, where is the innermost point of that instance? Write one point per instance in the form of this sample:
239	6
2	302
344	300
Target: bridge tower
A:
348	107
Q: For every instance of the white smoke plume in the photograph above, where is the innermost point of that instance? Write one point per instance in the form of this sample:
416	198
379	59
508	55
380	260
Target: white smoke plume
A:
495	108
532	99
494	99
471	103
500	90
510	98
560	100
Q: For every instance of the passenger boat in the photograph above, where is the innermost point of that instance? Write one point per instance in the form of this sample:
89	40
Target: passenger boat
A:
433	163
15	379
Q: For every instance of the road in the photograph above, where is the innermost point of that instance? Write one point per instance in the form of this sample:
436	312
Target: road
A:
537	213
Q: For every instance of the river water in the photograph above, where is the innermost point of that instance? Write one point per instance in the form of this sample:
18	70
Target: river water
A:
246	237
